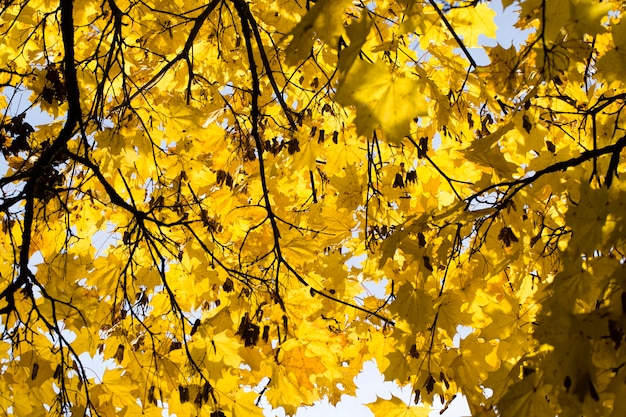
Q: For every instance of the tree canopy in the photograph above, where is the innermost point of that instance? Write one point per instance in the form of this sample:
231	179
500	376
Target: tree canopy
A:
231	200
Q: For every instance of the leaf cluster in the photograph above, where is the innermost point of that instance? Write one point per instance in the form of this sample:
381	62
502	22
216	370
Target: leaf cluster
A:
198	198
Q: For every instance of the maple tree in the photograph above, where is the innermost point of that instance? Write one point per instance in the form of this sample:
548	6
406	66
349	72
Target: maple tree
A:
220	186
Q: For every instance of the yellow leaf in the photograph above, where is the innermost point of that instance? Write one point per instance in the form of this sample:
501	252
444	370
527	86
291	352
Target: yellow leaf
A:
244	404
587	16
21	400
395	407
383	99
349	186
471	366
487	152
284	391
525	398
413	309
612	64
303	366
324	21
471	22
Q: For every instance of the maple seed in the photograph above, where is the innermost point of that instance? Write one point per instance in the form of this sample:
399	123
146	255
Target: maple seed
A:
416	400
423	148
411	177
183	393
427	264
430	384
198	400
443	379
293	146
592	391
398	181
151	398
526	124
206	390
320	139
223	177
413	351
266	333
248	331
507	236
228	285
119	354
421	239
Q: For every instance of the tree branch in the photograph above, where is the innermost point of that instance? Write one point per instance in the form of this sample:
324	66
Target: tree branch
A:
456	37
183	54
513	187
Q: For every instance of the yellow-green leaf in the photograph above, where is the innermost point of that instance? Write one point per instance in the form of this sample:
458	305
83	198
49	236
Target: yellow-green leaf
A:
383	98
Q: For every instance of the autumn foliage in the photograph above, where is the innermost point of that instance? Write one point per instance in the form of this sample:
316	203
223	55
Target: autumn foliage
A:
210	205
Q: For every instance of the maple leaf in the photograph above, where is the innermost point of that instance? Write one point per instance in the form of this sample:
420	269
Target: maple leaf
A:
349	188
234	202
611	62
486	151
470	22
395	407
243	405
323	21
303	366
525	398
414	308
382	99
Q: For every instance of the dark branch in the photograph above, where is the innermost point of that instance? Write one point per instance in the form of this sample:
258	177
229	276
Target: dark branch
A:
513	187
456	37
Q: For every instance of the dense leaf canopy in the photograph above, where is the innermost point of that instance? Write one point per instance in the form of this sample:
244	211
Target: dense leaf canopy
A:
209	204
